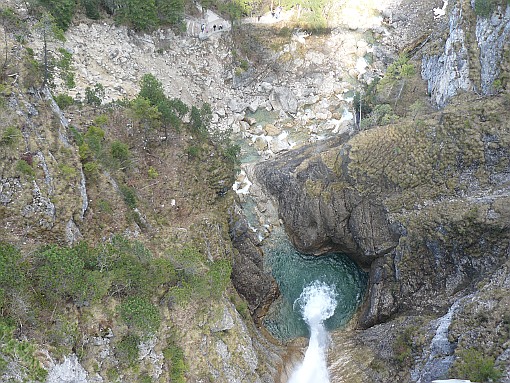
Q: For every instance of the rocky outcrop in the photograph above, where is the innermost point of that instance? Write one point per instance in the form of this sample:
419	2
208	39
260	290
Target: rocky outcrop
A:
421	206
492	35
447	73
69	371
248	276
464	63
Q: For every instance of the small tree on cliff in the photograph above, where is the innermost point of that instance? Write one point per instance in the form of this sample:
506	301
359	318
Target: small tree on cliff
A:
9	22
49	32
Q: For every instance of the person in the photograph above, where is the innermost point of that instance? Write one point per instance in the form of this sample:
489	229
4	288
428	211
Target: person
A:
214	27
202	27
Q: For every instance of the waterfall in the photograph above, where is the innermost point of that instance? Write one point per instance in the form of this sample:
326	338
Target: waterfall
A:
317	303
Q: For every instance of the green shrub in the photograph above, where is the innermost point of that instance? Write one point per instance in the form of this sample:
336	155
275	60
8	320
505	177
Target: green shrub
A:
127	349
193	152
403	347
60	274
138	14
63	100
151	89
219	277
120	152
199	278
13	274
94	138
400	68
174	356
85	152
10	136
64	64
61	10
140	314
134	271
68	171
475	366
101	120
77	136
231	153
21	352
152	173
104	206
91	169
144	378
22	166
91	9
484	8
94	96
129	195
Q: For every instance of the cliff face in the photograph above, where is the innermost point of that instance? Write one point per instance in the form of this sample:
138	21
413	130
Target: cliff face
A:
468	54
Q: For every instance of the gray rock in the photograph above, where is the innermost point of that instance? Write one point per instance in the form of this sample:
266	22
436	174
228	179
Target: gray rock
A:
284	99
69	371
226	322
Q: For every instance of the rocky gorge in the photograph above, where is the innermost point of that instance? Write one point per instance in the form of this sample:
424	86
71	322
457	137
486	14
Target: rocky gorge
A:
417	198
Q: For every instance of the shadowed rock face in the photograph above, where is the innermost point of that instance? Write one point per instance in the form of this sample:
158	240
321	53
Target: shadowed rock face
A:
248	277
421	205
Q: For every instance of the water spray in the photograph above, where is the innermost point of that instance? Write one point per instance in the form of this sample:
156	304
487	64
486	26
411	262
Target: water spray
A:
317	303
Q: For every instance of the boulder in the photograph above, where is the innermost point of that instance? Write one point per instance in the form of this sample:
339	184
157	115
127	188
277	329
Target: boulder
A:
282	98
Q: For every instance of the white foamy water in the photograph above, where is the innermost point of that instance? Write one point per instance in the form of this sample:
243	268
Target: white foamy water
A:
317	303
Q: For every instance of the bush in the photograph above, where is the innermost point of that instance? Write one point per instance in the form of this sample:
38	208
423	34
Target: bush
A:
127	349
129	195
152	173
23	353
13	271
403	347
151	89
60	274
140	314
120	152
63	101
141	15
475	366
91	169
67	171
193	152
94	96
24	167
484	8
10	136
61	10
174	356
64	64
91	8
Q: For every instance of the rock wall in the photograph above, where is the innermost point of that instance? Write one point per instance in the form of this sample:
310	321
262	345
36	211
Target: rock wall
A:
470	56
